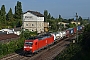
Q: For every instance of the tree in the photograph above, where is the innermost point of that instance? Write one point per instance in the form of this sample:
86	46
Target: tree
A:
10	15
9	18
18	14
60	17
18	23
0	15
3	15
80	19
46	15
72	25
18	10
49	16
86	38
52	17
69	20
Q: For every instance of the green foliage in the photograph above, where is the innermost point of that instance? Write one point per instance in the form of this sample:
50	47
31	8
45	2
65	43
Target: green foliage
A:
87	28
11	19
18	10
84	21
1	47
71	19
5	50
46	15
60	19
80	19
10	47
49	16
80	51
52	17
86	38
14	45
3	15
28	33
10	16
18	23
71	25
13	24
84	54
53	24
20	43
72	50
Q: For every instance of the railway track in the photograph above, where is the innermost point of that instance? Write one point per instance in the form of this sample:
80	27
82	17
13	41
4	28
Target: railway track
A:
45	54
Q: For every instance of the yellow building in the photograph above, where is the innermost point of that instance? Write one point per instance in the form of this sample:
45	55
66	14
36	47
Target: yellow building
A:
64	24
74	22
46	26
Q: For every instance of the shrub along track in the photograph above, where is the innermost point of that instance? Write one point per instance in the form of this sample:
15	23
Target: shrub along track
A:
44	54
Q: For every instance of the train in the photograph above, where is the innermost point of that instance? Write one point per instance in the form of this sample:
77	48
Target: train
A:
36	43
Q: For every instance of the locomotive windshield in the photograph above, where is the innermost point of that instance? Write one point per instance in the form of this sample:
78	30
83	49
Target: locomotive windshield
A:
29	43
31	38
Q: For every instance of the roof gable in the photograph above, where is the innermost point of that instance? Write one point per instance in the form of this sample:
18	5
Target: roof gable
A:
35	13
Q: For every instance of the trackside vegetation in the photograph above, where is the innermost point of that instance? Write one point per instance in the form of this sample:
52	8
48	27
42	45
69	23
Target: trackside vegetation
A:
69	52
15	45
78	51
11	47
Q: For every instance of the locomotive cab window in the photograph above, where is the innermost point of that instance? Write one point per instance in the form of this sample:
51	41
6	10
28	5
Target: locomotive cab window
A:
29	43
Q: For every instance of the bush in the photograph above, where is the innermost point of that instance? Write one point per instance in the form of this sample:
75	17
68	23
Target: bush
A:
67	54
1	49
11	46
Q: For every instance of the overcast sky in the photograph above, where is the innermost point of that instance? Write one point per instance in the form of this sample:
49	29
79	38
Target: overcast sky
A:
66	8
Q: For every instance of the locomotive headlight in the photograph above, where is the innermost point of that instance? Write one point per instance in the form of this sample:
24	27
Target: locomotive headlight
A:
30	47
25	47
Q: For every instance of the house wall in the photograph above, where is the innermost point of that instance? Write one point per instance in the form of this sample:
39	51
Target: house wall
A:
33	23
46	26
75	23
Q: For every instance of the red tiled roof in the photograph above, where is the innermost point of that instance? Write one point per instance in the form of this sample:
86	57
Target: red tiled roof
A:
8	36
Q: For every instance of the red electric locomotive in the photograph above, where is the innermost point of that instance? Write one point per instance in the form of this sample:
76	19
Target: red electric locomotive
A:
34	44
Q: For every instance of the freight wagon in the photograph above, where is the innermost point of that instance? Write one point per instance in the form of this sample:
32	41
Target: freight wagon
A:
68	32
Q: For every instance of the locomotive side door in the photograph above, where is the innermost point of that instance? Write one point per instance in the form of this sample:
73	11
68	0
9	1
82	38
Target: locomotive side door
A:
36	46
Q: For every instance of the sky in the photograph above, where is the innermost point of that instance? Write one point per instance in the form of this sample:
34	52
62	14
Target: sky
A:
65	8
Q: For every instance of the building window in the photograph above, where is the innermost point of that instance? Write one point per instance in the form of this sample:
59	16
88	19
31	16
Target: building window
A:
26	24
32	30
32	24
28	16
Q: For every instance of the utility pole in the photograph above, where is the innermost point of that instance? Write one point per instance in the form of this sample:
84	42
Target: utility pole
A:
76	27
60	27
